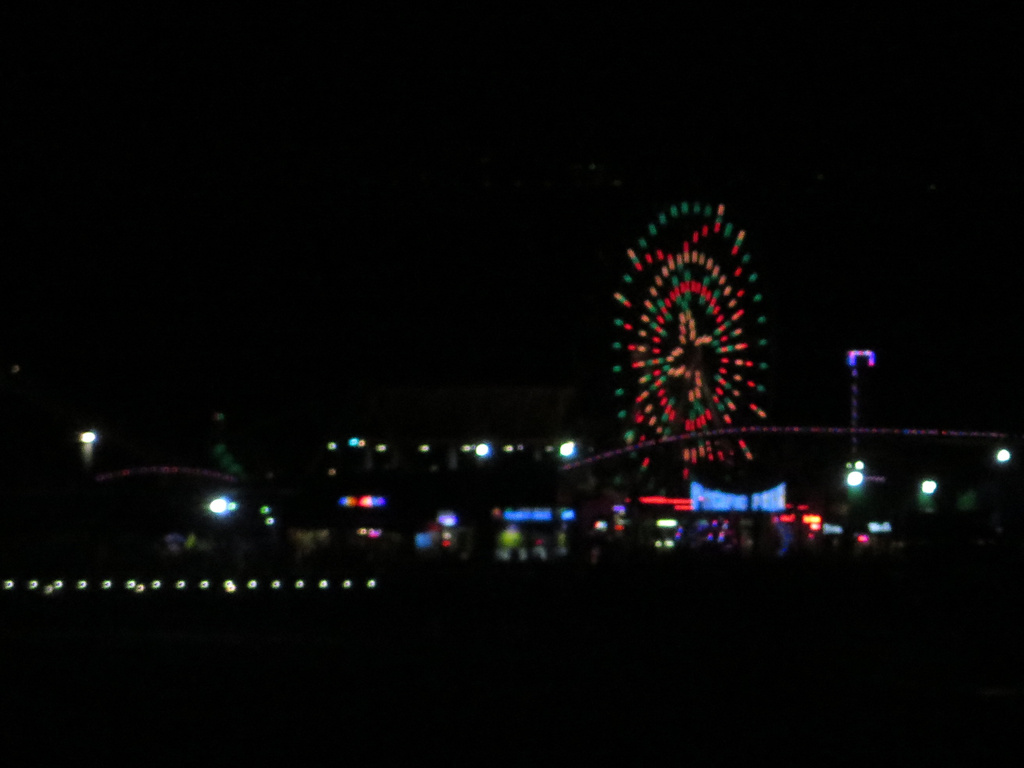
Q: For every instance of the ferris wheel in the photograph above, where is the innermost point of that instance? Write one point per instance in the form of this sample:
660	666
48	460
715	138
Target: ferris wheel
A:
691	341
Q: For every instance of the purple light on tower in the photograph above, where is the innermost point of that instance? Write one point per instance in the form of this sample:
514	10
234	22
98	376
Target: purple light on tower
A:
853	359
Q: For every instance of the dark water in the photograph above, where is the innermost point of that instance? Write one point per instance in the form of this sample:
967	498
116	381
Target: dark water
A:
806	663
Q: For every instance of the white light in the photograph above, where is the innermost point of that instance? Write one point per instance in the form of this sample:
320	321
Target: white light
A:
483	450
156	584
567	450
252	584
270	521
858	465
140	588
204	584
8	584
424	448
219	506
467	448
107	584
324	584
667	523
332	446
58	584
855	478
33	584
371	584
507	448
82	584
300	584
130	584
1002	456
381	448
275	584
180	584
928	487
87	437
347	583
229	586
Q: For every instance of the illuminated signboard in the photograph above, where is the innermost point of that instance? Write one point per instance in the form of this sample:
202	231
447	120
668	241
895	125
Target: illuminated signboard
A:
771	500
361	501
831	530
717	501
447	519
883	527
535	514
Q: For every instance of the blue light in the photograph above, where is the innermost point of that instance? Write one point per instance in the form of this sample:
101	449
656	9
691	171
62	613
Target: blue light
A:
567	515
717	501
537	514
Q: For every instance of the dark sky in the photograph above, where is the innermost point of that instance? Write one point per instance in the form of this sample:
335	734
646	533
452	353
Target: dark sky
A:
236	213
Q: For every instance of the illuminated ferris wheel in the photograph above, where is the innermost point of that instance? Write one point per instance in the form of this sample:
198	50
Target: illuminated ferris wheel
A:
691	338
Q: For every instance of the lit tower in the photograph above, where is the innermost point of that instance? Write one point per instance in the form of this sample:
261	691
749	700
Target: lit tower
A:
853	358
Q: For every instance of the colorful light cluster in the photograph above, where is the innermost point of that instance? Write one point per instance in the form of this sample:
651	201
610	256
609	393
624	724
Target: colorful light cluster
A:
854	354
691	337
362	501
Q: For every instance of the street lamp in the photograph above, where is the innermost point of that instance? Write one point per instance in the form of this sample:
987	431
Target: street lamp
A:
854	473
222	505
87	440
1002	455
928	487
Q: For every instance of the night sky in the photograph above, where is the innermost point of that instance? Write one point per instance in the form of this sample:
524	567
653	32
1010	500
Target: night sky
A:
241	214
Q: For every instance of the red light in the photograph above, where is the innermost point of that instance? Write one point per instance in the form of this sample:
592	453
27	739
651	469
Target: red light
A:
811	519
787	518
683	504
863	538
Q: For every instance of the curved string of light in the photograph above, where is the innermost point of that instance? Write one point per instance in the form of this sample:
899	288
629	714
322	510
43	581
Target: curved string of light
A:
156	586
165	470
755	430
